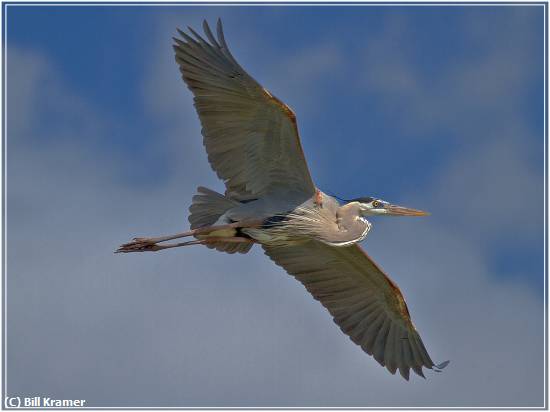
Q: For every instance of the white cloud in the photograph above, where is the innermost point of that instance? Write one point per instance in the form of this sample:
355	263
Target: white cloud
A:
494	191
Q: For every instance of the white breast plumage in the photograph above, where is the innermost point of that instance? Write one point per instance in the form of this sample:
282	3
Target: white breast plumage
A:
359	239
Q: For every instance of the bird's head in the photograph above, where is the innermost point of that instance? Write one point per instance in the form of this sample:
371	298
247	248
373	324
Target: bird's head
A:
370	206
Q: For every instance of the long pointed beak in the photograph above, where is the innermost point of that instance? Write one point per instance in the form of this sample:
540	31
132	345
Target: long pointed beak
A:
404	211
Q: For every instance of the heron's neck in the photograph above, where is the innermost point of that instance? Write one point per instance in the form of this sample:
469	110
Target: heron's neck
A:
350	220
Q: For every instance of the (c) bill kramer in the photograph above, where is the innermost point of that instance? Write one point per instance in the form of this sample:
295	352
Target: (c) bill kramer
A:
45	402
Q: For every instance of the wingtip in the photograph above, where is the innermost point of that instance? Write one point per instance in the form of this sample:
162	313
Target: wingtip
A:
219	29
181	32
404	373
418	371
442	365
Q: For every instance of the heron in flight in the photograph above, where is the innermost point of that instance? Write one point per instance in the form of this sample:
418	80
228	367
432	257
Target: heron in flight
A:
253	145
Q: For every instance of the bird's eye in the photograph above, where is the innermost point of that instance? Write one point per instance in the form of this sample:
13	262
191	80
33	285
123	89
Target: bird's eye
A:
376	203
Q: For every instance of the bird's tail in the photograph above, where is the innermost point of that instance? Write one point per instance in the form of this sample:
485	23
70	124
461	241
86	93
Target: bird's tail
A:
205	210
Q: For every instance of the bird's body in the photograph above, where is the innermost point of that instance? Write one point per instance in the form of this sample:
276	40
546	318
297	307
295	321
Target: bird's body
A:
320	217
252	142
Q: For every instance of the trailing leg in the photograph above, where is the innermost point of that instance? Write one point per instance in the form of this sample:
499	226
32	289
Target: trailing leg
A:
194	232
154	247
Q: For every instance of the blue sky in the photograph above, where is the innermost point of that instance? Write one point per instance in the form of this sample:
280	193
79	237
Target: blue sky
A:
439	108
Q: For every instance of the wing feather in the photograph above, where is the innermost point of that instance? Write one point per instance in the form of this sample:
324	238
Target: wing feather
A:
364	302
251	137
390	354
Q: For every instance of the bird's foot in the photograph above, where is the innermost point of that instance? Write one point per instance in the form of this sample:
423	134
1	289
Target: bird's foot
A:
139	244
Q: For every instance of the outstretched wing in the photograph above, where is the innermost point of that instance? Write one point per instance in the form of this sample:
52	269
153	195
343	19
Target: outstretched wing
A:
251	137
366	304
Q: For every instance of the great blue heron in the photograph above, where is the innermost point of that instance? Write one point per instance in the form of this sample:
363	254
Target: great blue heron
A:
252	142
